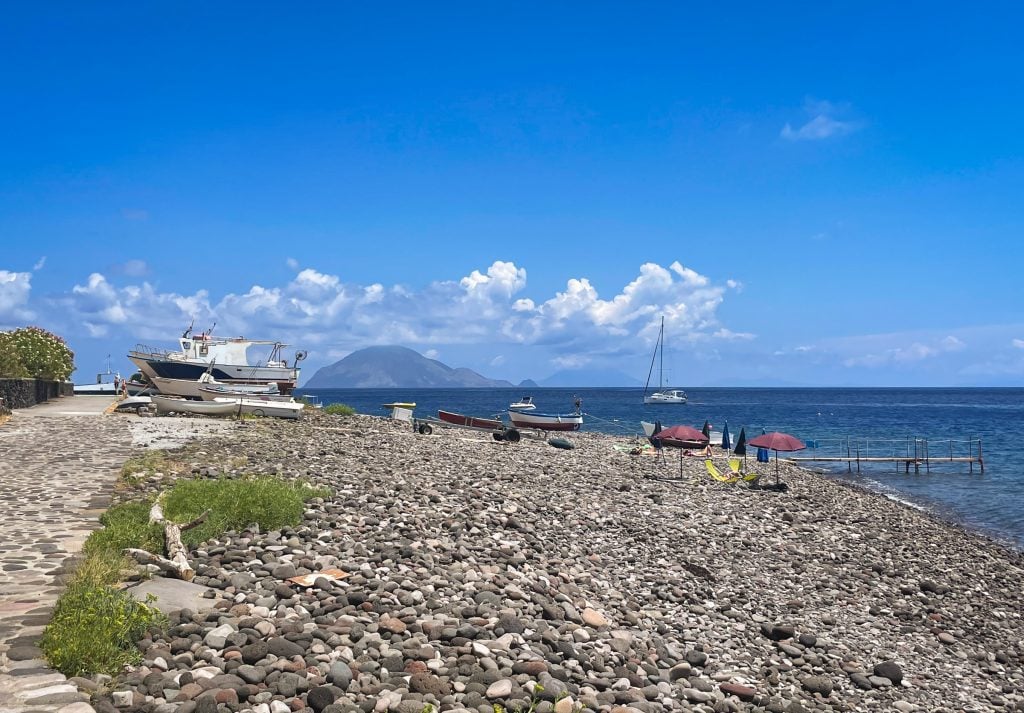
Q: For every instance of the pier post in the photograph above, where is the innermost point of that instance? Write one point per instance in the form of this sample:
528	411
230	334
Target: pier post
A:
849	465
970	454
927	458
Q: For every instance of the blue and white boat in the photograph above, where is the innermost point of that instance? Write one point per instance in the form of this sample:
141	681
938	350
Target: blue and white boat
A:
226	359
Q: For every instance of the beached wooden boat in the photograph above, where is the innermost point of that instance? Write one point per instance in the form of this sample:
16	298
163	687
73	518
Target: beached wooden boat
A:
171	404
256	407
190	387
546	421
209	392
471	421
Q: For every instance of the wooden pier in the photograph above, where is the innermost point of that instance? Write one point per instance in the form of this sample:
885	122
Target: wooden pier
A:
911	452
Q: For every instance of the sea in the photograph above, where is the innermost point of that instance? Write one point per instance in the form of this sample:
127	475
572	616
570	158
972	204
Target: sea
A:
944	422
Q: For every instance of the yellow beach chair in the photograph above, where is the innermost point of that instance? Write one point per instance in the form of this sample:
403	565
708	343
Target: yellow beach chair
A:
736	470
716	475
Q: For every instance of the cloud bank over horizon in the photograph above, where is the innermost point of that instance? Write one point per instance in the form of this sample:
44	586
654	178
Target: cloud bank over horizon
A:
490	319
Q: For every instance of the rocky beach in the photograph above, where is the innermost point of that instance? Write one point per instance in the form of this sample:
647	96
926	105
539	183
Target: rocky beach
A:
483	573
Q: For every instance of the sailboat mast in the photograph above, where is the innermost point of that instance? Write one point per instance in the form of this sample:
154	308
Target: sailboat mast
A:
661	359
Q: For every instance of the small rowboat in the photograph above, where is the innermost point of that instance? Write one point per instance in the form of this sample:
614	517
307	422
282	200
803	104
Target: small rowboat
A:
275	409
211	393
546	421
471	421
168	404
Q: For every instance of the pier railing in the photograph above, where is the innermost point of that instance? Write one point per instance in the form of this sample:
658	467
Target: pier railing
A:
908	452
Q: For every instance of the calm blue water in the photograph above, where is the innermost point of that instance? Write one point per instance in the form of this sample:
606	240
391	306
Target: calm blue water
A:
880	421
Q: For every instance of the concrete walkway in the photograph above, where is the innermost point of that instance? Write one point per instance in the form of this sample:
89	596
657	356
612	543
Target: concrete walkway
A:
58	464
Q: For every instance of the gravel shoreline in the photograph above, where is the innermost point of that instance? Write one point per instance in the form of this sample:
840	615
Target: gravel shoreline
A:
485	573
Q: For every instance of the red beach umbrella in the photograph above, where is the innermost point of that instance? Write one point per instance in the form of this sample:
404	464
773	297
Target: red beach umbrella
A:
682	437
777	442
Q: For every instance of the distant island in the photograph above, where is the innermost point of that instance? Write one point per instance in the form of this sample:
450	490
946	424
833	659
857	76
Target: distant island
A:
394	366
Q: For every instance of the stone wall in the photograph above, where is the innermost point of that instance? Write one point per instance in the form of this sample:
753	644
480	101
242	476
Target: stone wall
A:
22	393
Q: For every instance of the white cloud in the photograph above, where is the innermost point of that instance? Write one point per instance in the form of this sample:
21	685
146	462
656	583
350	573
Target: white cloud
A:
497	361
39	264
571	361
432	354
1018	343
15	288
135	268
822	125
320	311
915	351
292	263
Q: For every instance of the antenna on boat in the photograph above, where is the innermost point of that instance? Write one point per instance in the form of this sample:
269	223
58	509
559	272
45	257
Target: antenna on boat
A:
184	335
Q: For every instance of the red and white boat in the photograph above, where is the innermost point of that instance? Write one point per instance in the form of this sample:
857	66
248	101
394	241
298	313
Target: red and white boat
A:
471	421
546	421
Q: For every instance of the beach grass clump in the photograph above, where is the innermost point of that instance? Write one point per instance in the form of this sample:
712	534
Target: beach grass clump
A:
94	625
339	409
233	504
125	526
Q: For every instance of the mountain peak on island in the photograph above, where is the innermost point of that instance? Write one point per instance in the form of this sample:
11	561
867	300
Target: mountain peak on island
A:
394	366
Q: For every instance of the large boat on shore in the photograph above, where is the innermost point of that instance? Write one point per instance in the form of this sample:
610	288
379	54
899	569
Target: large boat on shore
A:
226	359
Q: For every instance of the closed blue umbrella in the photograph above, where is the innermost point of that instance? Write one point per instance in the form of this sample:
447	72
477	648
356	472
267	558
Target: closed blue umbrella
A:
726	442
762	453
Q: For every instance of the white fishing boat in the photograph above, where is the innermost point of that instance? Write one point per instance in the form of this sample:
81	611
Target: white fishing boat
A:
256	407
108	383
545	421
662	395
172	404
225	358
523	404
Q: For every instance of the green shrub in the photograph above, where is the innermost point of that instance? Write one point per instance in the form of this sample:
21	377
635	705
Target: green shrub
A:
94	626
339	409
233	504
43	354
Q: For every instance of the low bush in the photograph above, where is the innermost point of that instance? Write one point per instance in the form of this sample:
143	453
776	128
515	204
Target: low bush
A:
94	626
339	409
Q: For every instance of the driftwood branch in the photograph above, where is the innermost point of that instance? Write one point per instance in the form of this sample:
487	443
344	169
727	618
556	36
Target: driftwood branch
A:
176	562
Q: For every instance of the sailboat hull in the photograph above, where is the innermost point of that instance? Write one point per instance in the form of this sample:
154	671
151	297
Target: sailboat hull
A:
665	397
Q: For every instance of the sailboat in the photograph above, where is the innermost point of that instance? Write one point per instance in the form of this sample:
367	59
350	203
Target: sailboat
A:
662	395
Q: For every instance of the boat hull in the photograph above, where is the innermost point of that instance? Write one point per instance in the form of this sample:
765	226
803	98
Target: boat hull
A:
284	377
458	419
168	404
208	393
255	407
665	397
546	421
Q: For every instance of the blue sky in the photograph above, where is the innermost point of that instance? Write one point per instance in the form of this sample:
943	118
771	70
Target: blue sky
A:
810	195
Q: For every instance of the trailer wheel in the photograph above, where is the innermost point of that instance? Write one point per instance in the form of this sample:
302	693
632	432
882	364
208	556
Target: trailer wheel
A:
511	435
426	429
498	436
141	409
258	412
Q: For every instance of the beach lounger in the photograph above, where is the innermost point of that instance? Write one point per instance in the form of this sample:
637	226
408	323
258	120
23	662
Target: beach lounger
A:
736	470
716	475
